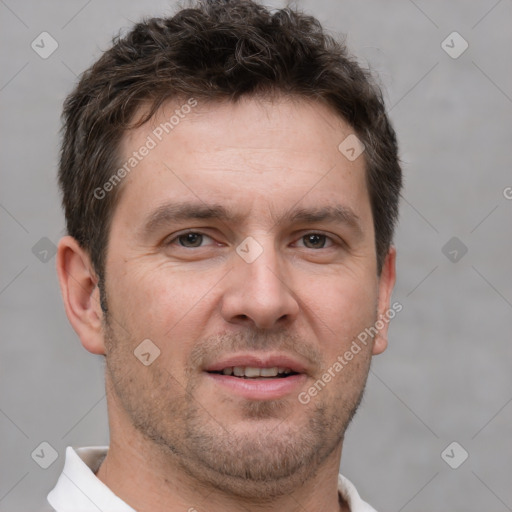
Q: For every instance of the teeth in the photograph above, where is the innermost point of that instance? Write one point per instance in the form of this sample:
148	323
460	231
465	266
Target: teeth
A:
267	372
252	372
239	371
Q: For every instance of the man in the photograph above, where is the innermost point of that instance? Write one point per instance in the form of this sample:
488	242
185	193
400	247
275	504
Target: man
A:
230	182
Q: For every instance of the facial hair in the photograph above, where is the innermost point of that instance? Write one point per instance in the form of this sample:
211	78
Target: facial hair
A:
260	456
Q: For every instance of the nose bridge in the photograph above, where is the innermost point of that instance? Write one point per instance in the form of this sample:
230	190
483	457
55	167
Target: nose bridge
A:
258	292
264	272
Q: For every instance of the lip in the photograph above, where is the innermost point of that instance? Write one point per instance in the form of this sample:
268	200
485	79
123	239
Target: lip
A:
259	389
258	361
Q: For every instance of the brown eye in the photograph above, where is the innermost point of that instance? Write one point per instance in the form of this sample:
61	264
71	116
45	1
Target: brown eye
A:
314	241
190	240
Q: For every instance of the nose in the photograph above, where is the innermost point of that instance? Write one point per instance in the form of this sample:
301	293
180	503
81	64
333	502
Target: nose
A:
258	293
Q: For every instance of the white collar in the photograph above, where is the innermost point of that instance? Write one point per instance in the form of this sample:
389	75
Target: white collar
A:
79	490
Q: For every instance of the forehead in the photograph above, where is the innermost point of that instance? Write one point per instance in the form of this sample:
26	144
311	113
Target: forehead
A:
243	154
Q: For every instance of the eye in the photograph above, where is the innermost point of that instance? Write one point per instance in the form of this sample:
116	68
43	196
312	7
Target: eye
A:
189	240
316	241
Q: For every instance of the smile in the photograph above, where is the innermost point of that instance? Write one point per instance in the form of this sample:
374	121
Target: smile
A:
252	372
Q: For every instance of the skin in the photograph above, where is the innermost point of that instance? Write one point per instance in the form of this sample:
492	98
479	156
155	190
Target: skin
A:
180	441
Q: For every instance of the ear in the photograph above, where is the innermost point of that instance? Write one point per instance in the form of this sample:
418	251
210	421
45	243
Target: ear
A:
80	293
386	283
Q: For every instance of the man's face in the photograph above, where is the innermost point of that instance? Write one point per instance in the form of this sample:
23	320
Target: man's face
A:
182	272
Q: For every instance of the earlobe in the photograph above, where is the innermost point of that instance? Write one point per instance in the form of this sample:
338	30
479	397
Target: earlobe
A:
386	283
80	293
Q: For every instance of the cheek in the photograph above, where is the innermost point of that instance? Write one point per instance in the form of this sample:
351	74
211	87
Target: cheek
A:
168	308
341	299
160	295
340	309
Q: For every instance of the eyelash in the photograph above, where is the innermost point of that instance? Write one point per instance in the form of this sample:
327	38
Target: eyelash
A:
328	238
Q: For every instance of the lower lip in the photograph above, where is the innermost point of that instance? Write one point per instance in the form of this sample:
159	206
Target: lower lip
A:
260	389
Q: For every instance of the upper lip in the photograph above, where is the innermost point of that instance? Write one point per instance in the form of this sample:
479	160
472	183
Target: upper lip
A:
257	361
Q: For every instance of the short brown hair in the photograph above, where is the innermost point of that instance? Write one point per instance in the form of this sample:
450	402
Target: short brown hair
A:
216	50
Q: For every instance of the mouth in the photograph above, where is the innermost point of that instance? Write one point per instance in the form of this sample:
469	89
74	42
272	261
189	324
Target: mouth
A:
253	372
257	377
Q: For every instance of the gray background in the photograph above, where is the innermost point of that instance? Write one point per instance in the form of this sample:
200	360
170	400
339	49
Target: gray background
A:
447	373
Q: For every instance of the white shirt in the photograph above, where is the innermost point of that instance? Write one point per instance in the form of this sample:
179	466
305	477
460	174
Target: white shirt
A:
79	490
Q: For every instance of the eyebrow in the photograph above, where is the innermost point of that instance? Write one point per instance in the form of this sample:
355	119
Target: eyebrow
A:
170	213
337	214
